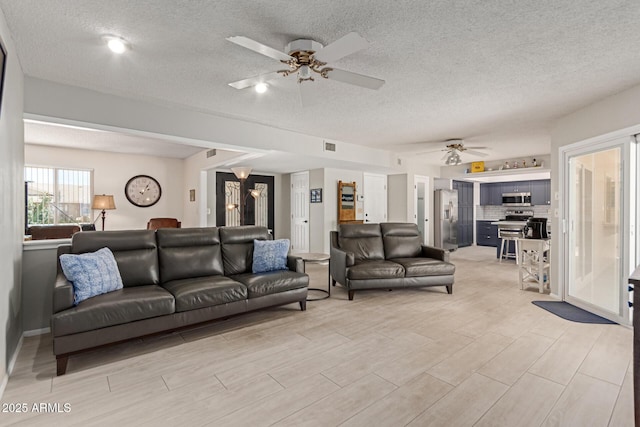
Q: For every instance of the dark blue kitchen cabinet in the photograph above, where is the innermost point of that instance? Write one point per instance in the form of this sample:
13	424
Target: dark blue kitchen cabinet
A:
541	192
486	234
516	187
491	194
465	212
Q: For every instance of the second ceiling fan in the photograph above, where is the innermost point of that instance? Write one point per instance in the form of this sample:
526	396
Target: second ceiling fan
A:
308	59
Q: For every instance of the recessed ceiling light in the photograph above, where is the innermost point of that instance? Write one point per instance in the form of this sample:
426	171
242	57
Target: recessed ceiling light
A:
116	44
261	87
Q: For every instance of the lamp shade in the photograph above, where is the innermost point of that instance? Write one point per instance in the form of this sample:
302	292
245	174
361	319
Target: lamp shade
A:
103	202
241	172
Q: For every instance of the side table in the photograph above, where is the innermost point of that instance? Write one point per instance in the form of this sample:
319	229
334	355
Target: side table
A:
317	258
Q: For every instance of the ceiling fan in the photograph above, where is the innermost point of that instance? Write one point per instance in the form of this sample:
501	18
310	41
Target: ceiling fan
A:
454	148
308	59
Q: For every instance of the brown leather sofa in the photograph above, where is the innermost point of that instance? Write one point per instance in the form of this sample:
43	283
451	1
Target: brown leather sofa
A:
173	278
386	256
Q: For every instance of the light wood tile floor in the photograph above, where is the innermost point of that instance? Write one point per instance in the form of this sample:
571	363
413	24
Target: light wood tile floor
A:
483	356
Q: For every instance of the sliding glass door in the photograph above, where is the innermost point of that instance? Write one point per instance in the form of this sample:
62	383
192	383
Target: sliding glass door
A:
597	215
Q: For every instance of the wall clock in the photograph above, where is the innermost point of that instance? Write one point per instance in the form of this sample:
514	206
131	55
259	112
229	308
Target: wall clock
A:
143	191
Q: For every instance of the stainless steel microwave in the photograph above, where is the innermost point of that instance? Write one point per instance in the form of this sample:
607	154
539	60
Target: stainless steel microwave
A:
516	199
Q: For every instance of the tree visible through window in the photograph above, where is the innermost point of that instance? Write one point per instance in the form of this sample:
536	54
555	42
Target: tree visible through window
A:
57	196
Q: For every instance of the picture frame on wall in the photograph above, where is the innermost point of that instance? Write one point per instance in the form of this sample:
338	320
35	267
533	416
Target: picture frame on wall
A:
316	195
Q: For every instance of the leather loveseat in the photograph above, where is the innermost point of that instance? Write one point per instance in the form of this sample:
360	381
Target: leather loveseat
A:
386	256
172	278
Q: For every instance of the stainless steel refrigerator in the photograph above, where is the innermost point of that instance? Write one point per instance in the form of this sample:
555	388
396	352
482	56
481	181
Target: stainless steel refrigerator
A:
446	219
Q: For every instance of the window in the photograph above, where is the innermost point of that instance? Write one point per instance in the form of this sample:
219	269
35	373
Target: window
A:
57	196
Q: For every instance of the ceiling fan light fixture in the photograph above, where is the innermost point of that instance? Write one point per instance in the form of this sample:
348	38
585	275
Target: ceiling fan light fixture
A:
453	159
261	87
116	44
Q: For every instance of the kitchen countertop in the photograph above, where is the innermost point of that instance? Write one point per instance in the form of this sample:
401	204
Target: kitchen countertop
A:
510	223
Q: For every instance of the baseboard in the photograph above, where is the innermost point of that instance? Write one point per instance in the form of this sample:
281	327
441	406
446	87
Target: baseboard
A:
35	332
554	296
10	366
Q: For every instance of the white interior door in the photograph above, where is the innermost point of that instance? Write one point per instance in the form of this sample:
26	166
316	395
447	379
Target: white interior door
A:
421	206
375	198
597	228
300	212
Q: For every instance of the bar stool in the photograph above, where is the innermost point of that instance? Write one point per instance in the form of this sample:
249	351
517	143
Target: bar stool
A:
507	236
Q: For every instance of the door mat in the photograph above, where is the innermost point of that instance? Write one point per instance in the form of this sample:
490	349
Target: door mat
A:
571	312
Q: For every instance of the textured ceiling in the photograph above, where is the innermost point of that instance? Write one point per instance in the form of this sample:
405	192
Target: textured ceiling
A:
492	72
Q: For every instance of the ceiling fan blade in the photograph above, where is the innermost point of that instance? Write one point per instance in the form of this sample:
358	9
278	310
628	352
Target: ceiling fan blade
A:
260	48
476	153
477	148
342	47
355	79
252	81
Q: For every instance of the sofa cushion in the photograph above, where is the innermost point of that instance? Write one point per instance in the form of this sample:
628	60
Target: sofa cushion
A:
363	240
237	247
199	292
135	252
375	270
115	308
419	267
272	282
91	274
270	255
401	240
189	252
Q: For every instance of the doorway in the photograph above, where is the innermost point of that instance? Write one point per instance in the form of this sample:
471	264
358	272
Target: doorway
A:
300	212
375	198
598	249
259	209
421	206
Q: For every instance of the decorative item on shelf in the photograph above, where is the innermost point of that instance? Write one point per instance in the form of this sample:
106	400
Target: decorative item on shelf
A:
477	167
242	173
535	163
104	202
524	163
515	164
506	165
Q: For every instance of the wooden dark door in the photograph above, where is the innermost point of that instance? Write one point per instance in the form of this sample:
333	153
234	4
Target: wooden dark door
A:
465	212
260	207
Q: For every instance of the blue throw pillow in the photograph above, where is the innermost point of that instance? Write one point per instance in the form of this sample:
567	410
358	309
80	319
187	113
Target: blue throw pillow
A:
270	255
91	274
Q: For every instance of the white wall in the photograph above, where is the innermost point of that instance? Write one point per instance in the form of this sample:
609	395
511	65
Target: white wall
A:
69	104
317	213
193	167
610	114
111	171
11	204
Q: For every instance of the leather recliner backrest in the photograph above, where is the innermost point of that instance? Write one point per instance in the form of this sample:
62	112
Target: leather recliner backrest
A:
135	251
363	240
237	247
189	252
401	240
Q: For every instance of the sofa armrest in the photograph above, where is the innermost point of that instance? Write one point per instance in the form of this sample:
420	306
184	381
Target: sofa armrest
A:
340	260
435	253
295	263
62	294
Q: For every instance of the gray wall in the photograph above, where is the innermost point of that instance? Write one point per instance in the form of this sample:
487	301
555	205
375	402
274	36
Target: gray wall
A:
11	203
38	275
